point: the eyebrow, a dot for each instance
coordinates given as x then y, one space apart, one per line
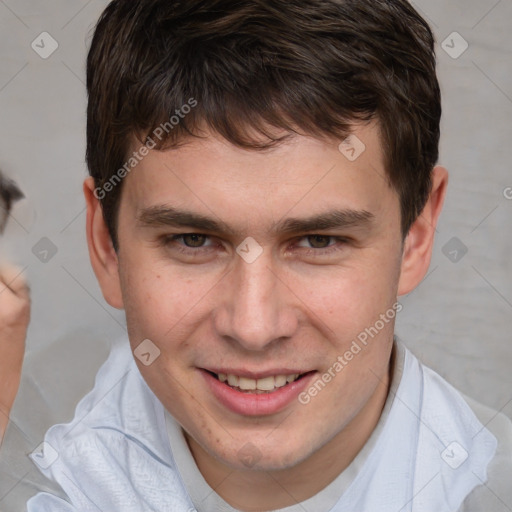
163 215
332 219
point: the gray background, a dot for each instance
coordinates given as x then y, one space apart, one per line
458 320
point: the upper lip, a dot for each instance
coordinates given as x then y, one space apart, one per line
256 374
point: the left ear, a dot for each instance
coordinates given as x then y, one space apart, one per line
420 239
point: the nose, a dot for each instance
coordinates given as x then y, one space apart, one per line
257 307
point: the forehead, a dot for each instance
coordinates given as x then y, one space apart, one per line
303 175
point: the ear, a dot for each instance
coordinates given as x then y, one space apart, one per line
420 239
103 257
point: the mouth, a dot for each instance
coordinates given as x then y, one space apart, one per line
259 394
263 385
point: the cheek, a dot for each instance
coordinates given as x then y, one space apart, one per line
146 297
156 307
351 298
159 302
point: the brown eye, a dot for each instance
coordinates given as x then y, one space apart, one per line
319 241
194 240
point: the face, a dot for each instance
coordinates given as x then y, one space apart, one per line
261 266
277 270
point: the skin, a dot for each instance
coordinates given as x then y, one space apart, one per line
296 306
14 319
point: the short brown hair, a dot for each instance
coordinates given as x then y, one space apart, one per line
310 66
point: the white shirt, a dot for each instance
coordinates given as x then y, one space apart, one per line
430 452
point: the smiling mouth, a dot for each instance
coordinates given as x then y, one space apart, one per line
257 386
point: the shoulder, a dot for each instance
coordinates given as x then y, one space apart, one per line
468 446
496 492
454 450
115 453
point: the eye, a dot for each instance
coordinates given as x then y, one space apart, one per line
188 242
317 241
193 239
320 248
194 248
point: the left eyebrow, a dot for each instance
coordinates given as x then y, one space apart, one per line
163 215
332 219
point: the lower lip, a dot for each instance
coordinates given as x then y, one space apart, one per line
252 404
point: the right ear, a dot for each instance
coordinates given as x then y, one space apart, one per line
103 257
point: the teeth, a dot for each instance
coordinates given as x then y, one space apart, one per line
264 384
233 380
280 381
246 384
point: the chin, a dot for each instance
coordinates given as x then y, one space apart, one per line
263 457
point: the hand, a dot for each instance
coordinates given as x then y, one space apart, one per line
14 319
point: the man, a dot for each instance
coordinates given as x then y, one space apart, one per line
263 187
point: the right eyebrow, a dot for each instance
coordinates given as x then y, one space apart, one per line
161 216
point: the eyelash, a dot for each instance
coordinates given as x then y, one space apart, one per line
171 239
337 246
